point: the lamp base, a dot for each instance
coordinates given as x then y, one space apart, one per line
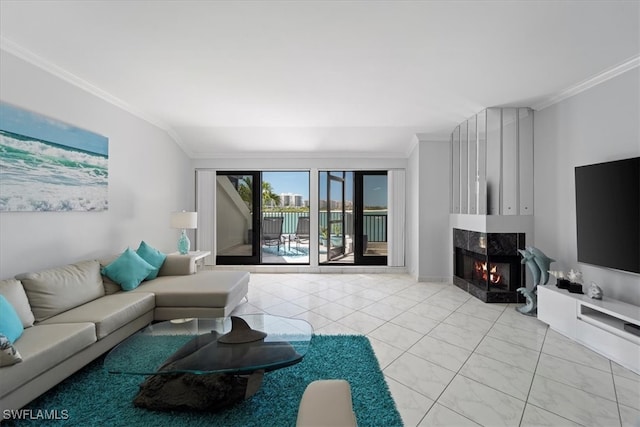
183 243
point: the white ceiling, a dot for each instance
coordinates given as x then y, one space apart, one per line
348 77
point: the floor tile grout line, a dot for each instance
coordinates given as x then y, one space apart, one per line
445 291
436 401
568 385
533 378
456 373
615 392
573 361
578 388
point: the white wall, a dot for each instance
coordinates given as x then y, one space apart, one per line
149 177
232 216
302 161
600 124
429 238
413 211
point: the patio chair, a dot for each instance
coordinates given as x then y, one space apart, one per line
302 231
272 231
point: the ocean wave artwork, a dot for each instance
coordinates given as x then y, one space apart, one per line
47 165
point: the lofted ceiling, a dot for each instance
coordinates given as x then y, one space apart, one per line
227 78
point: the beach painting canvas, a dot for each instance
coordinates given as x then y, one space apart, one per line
48 165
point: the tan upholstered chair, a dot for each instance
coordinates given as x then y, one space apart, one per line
326 403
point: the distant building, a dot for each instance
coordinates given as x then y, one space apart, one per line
291 200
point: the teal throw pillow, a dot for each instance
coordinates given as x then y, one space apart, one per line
128 270
10 323
153 257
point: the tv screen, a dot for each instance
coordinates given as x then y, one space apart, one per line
608 214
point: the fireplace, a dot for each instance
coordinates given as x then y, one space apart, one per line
488 265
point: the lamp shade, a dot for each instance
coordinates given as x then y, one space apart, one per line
184 220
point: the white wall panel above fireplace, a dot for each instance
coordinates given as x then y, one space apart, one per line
495 224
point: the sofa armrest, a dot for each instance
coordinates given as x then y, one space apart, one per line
178 265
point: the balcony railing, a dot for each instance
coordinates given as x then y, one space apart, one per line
375 222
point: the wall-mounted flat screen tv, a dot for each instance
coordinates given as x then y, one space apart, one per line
608 214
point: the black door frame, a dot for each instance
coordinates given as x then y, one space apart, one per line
358 221
256 200
332 254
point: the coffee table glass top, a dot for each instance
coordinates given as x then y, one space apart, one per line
207 346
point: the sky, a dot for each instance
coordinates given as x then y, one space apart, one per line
288 182
375 186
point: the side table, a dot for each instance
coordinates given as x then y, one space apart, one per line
196 256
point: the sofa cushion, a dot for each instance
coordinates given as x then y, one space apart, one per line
8 353
42 347
110 287
204 289
128 270
10 323
108 313
53 291
153 257
178 265
14 293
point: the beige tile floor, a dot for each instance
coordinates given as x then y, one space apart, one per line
451 360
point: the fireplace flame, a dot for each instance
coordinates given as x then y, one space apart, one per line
491 274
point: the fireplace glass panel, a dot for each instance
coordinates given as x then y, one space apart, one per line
496 274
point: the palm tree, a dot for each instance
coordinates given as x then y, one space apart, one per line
268 196
245 189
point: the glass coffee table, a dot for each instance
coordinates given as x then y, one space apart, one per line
208 364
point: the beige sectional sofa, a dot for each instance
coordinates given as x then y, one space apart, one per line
72 314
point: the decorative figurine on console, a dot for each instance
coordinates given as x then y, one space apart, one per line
594 291
538 263
561 282
575 282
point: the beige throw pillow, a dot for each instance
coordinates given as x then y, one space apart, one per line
13 291
53 291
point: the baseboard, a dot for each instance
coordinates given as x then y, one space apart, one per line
434 279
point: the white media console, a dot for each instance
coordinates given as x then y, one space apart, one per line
597 324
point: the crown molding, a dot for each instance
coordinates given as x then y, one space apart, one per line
429 138
298 155
599 78
16 50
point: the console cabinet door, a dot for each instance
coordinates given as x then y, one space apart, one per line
557 310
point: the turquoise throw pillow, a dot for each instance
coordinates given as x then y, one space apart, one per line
153 257
10 323
128 270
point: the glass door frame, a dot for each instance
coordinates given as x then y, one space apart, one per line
256 200
358 198
331 254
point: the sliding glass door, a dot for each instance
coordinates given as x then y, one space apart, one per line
285 217
262 217
352 217
335 241
371 214
238 213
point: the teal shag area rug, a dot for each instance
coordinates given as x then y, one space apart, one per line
93 397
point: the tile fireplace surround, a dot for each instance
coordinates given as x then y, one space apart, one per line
487 265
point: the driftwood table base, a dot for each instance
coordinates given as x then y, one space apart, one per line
191 392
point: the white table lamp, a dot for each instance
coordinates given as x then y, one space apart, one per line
184 220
